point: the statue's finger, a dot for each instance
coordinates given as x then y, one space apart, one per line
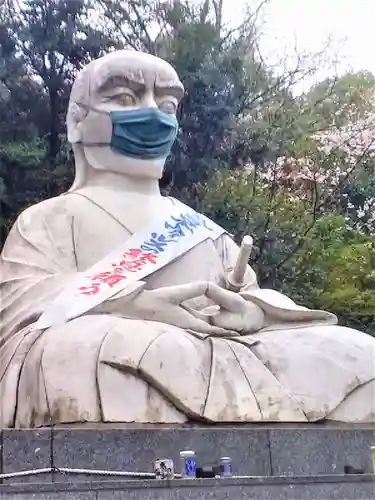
198 325
224 298
197 314
228 320
202 327
180 293
212 327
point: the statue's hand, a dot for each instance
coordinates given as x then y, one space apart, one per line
165 305
235 312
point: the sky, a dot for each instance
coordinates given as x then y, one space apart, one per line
307 24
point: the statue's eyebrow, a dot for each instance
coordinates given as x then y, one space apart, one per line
137 84
173 89
114 81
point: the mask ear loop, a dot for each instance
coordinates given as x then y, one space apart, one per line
88 108
93 144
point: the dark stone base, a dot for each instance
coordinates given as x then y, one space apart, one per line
298 488
255 450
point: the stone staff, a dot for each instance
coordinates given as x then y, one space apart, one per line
236 278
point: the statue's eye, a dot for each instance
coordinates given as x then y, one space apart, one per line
126 99
168 107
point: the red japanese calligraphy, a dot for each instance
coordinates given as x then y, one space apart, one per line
109 278
133 252
138 254
90 290
135 259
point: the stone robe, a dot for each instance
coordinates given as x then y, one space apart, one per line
106 368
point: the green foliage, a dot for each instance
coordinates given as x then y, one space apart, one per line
278 219
316 259
338 100
26 177
335 272
42 45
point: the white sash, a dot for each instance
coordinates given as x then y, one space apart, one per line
168 238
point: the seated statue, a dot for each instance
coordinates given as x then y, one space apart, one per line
121 305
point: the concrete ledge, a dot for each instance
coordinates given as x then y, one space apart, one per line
135 450
320 450
25 450
255 450
334 487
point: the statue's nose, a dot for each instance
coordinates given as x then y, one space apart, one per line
149 101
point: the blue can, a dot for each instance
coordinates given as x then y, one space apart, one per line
226 467
188 464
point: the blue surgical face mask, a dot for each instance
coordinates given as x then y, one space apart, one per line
145 133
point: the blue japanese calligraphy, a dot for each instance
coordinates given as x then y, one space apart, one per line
177 227
157 243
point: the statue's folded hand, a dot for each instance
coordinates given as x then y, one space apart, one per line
234 312
164 305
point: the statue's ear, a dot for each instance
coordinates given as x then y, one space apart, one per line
75 116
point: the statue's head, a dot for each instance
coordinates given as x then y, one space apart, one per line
122 115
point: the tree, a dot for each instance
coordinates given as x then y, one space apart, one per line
234 109
337 101
43 44
319 195
335 272
54 39
316 258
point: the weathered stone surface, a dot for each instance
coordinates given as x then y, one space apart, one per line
312 488
254 451
77 495
26 450
1 453
287 492
320 450
136 449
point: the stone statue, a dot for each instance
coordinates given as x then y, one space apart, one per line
118 304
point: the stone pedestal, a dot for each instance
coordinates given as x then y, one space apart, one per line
298 488
307 462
